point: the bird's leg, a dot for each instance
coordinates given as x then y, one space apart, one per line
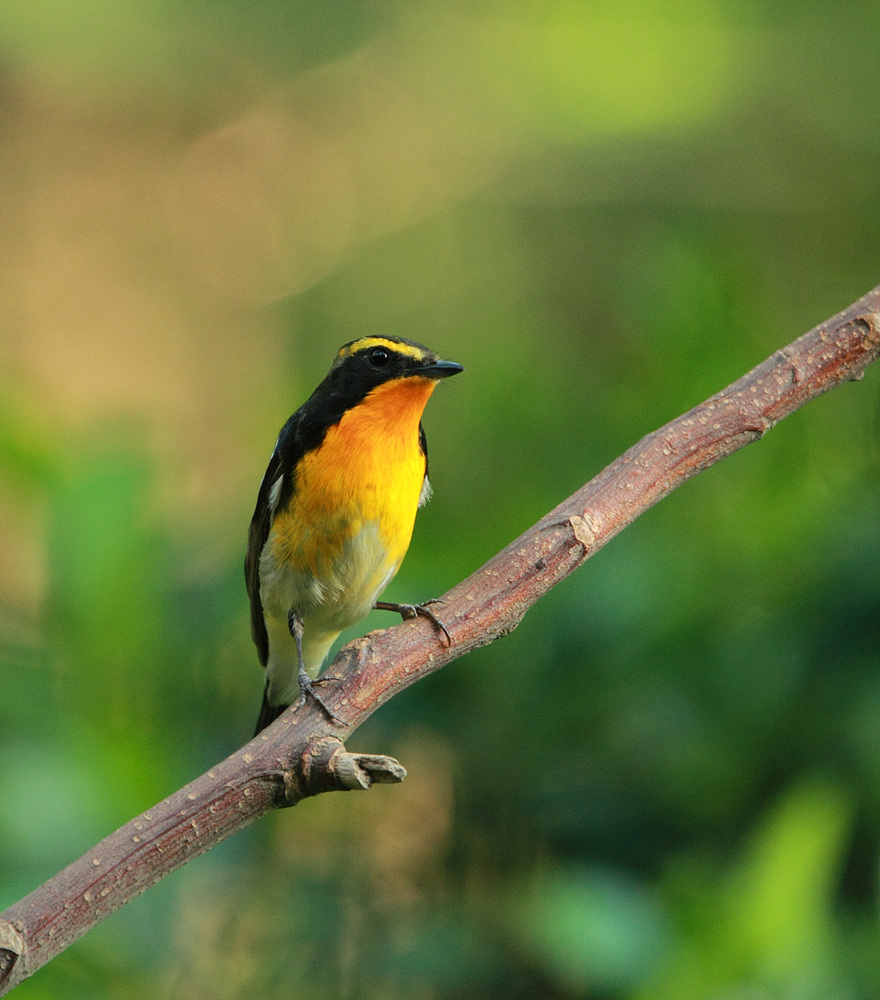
413 610
306 685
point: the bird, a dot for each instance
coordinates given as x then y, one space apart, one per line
336 509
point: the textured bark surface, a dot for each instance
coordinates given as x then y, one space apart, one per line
302 753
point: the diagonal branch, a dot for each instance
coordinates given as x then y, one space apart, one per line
302 753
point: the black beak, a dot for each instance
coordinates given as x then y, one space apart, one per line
439 369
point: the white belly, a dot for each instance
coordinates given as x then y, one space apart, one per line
345 593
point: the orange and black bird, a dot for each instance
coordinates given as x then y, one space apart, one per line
336 510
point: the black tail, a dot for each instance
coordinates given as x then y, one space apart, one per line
268 713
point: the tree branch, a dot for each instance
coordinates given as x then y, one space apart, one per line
302 753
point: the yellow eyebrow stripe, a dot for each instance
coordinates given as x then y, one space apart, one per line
392 345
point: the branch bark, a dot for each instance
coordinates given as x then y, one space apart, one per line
303 754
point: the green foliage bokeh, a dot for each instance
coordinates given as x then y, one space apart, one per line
665 784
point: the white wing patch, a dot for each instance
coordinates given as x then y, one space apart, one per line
425 495
275 493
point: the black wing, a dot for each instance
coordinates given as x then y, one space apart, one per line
425 492
261 523
304 431
275 493
423 446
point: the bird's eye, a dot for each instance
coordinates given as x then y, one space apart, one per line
378 357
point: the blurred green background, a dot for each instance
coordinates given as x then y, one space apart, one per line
665 784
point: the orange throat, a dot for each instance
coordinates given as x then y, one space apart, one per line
369 469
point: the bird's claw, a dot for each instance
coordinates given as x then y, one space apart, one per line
414 610
307 689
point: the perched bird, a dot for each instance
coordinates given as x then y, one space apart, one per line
336 510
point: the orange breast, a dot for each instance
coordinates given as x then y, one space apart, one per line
368 469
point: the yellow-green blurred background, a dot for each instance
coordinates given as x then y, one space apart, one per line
665 785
